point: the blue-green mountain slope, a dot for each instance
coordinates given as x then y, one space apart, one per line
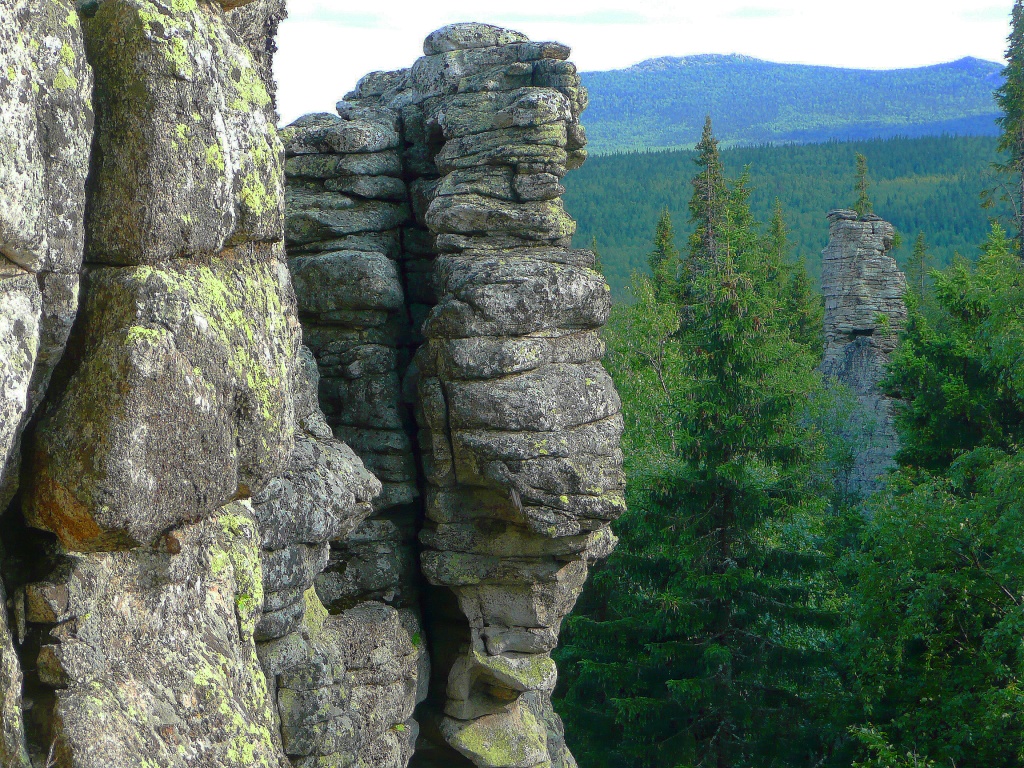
661 103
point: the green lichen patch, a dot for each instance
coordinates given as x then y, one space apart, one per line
515 737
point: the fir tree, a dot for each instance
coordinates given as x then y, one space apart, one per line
863 206
934 645
700 642
918 267
663 261
1010 98
598 266
708 204
800 304
778 234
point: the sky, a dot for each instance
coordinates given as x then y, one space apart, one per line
325 46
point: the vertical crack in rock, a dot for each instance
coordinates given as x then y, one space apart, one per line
345 684
347 207
518 423
864 312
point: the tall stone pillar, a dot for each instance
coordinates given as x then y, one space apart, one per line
864 312
518 423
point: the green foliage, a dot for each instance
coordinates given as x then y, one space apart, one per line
924 185
960 374
661 103
598 266
883 755
707 203
801 305
663 261
702 641
937 612
863 205
1010 98
917 269
937 616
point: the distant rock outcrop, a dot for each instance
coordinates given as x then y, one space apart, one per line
864 312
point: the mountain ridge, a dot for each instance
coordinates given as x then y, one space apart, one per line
660 103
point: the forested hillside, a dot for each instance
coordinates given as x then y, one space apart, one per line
661 103
929 185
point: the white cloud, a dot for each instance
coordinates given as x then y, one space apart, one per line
326 46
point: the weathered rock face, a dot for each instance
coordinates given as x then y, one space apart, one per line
154 661
235 546
426 218
186 158
256 24
864 311
45 131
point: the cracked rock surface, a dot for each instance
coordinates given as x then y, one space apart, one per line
305 443
432 261
862 285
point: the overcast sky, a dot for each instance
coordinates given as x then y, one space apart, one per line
327 45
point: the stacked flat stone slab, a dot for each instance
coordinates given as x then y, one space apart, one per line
347 204
345 685
864 311
519 423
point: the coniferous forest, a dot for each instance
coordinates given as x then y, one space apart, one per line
929 185
756 612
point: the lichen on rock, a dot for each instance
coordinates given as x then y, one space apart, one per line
518 423
137 683
202 358
280 545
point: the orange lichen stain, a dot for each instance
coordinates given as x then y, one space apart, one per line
52 507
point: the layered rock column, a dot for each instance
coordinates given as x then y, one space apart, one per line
519 423
346 204
344 685
864 312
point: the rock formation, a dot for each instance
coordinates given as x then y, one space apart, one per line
451 169
234 540
864 311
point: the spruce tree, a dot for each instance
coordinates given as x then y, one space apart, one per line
700 642
934 647
918 267
778 235
663 261
1010 98
863 206
598 266
709 203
